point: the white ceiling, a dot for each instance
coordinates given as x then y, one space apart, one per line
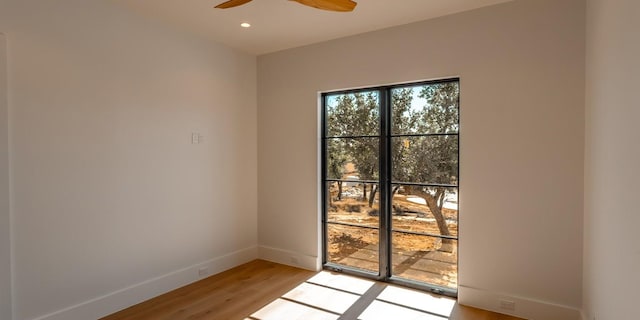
282 24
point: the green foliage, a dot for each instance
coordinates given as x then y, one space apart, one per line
356 114
429 109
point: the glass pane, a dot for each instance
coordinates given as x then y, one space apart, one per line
353 203
425 159
353 114
411 210
416 255
355 247
426 259
425 109
356 204
352 158
430 210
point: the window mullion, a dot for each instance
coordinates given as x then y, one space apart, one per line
385 184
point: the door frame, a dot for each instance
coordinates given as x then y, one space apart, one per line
384 185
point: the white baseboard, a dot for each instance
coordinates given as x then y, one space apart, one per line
289 258
526 308
126 297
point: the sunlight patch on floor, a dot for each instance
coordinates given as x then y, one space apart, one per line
379 310
283 309
342 282
327 296
322 297
423 301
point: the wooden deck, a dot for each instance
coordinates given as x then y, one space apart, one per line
433 267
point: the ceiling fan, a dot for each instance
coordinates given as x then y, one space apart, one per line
330 5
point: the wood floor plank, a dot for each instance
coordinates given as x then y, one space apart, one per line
233 294
240 292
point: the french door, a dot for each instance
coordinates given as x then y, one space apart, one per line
390 163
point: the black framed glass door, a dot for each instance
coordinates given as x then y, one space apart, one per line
390 183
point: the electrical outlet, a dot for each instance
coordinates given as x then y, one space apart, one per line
204 271
507 305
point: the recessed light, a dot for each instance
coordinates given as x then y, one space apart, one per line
245 25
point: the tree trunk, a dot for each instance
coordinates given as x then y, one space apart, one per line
364 191
339 190
435 203
372 194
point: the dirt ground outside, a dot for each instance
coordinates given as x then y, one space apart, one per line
415 257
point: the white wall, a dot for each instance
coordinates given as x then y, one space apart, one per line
612 253
521 66
5 221
108 192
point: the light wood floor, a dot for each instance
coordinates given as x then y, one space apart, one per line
241 292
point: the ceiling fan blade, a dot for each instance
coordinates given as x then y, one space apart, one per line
331 5
232 3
